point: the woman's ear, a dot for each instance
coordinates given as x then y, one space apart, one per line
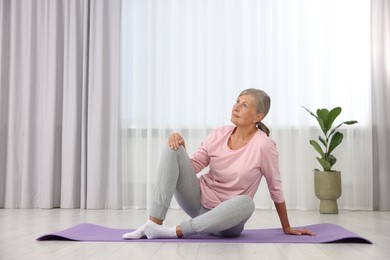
259 117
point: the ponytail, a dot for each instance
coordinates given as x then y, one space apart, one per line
263 127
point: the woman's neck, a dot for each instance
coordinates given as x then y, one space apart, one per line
244 134
240 137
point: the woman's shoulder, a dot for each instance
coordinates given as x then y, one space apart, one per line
264 139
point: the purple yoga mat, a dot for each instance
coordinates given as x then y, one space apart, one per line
326 233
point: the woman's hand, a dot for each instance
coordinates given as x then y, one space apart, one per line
282 212
299 232
175 140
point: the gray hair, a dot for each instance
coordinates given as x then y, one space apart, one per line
263 104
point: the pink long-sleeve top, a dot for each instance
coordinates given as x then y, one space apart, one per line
236 172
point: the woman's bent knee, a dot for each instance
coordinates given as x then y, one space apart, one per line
246 204
169 151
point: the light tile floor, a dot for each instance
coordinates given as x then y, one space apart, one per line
19 228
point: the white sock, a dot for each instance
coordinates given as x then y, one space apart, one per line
138 233
152 231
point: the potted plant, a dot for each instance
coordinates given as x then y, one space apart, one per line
327 183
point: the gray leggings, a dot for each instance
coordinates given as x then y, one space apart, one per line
177 177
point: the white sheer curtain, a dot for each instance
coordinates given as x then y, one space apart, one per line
185 62
59 104
380 46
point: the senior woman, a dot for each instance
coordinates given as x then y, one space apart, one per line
221 201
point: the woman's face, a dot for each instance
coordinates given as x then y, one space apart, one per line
244 111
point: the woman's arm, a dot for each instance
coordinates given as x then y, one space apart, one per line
282 212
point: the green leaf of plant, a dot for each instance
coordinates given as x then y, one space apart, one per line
324 163
311 113
322 140
317 147
351 122
335 141
332 160
322 115
333 114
